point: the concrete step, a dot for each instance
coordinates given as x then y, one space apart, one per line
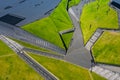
93 39
108 74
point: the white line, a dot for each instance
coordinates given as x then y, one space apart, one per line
72 12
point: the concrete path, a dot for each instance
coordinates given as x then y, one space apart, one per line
110 72
32 62
119 18
51 55
110 67
77 53
12 31
106 73
93 39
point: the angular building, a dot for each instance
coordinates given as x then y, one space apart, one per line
21 12
115 4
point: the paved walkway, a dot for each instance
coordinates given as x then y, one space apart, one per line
110 72
33 63
51 55
93 39
106 73
77 53
119 18
110 67
12 31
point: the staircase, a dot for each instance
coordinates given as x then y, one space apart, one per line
93 39
108 74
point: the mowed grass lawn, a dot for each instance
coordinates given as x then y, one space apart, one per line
67 39
95 15
49 27
107 48
45 29
13 68
64 70
4 50
97 77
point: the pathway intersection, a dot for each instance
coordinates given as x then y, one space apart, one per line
77 53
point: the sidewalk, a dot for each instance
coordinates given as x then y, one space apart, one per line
77 53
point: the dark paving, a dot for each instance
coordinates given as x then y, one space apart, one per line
80 57
12 31
77 53
56 56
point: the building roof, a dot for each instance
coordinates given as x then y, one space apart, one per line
116 3
30 10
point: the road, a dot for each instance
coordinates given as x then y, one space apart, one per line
34 64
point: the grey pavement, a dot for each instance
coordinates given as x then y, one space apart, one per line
110 67
93 39
77 53
78 9
33 63
106 73
12 31
119 18
56 56
80 57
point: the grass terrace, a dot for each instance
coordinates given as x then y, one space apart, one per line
107 48
13 68
97 77
4 50
49 27
95 15
67 38
64 70
45 29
